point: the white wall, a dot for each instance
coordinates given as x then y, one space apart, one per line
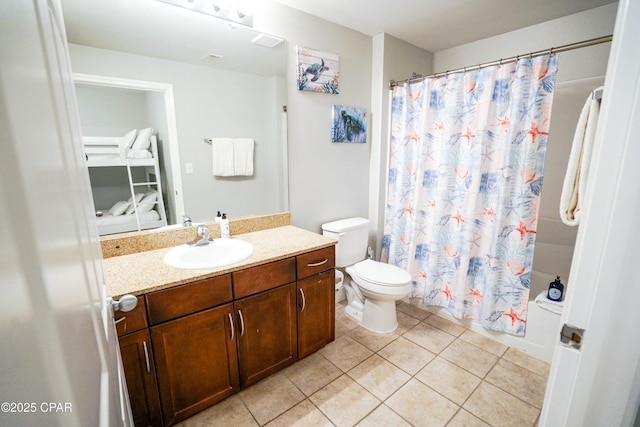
587 62
199 115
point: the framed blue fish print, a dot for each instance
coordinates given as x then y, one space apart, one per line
317 71
349 124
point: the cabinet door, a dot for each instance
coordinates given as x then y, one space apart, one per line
316 312
196 361
268 333
139 371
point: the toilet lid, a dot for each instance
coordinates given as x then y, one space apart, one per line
381 273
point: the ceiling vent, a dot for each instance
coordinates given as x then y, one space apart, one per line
211 57
266 40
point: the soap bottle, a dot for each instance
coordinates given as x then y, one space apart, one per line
556 290
224 227
218 218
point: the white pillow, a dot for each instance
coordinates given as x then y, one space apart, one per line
129 138
150 196
142 141
119 208
131 208
145 207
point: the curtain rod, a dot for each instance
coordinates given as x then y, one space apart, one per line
563 48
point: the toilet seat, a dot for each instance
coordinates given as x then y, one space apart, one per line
381 274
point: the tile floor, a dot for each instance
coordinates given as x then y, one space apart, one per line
429 372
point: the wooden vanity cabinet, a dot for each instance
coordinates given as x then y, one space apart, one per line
265 319
140 373
316 300
138 365
194 344
196 361
190 346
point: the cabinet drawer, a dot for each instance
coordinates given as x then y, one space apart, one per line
263 277
131 321
315 262
186 299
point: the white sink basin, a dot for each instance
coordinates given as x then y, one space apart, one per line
218 253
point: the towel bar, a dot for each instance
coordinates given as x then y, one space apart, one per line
597 94
208 141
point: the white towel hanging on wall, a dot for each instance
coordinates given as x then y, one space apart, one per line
222 149
575 180
232 156
243 156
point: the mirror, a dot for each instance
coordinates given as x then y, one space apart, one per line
191 77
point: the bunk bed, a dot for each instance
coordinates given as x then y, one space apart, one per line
145 207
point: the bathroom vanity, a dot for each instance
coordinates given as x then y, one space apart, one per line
199 336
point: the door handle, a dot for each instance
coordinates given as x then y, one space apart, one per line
304 302
317 264
241 323
125 303
233 332
146 356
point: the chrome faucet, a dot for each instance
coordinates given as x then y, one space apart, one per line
202 238
186 221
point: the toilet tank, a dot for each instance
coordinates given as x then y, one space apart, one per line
352 235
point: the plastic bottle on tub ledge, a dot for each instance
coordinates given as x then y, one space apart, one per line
224 227
556 290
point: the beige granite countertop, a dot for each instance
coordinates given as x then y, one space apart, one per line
143 272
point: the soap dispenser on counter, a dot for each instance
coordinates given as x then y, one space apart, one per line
218 218
224 227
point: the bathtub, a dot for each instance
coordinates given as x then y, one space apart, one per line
543 326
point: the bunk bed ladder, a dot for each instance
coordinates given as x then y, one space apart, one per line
149 182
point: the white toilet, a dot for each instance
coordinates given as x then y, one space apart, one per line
372 287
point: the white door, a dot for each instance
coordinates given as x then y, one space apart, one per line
599 383
59 360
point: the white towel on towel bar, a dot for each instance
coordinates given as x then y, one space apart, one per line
223 164
575 180
243 156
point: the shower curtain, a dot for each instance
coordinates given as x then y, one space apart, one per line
465 175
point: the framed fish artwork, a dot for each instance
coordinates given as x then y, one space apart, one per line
318 71
349 124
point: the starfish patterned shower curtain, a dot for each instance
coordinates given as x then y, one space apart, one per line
465 175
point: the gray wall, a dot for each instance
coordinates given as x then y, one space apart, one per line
327 181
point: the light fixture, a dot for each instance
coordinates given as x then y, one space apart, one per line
238 11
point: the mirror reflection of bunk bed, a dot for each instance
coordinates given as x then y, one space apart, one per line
125 181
